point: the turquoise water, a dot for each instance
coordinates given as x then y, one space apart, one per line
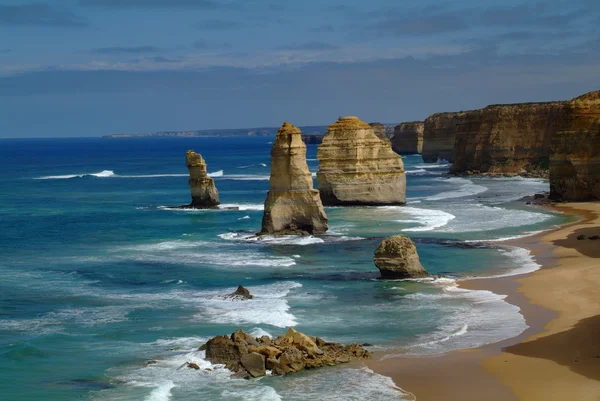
98 276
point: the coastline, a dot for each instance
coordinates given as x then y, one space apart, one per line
556 358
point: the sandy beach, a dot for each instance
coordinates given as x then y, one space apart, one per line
556 358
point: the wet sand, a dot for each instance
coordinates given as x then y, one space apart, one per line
556 358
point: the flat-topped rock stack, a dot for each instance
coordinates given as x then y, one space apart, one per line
358 168
203 189
292 206
408 138
396 258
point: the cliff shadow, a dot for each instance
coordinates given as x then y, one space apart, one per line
586 246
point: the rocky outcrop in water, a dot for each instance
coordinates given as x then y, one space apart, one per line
240 294
285 354
408 138
312 139
292 206
575 152
358 168
396 258
380 132
204 191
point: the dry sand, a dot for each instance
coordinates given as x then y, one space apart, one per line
557 358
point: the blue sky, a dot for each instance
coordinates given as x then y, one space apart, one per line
94 67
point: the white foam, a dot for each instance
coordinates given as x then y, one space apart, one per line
417 171
522 259
479 217
507 238
101 174
258 332
268 306
269 239
244 218
428 219
243 206
216 174
432 165
466 188
162 392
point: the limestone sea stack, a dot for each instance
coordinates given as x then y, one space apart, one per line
408 138
204 191
379 130
396 258
292 206
439 132
358 168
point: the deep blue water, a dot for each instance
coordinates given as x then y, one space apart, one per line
97 276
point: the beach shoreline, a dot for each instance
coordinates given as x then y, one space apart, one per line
556 358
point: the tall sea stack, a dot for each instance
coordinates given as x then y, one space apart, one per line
204 191
408 138
358 168
292 206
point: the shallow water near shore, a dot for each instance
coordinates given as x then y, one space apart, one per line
99 276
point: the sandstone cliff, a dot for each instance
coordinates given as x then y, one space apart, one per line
357 168
292 205
204 191
408 138
575 151
379 130
506 139
439 132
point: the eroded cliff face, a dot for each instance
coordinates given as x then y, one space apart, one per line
292 206
379 130
575 151
408 138
439 133
506 139
203 189
357 168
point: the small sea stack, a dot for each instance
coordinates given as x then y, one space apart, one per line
396 258
358 168
293 206
203 189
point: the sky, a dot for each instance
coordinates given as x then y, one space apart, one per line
72 68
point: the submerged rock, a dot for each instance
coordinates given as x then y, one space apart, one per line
285 354
292 206
358 168
204 191
396 257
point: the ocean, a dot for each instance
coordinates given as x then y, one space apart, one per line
98 275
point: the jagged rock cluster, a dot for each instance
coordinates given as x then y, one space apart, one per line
204 191
292 206
396 258
358 168
575 152
288 353
408 138
379 130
